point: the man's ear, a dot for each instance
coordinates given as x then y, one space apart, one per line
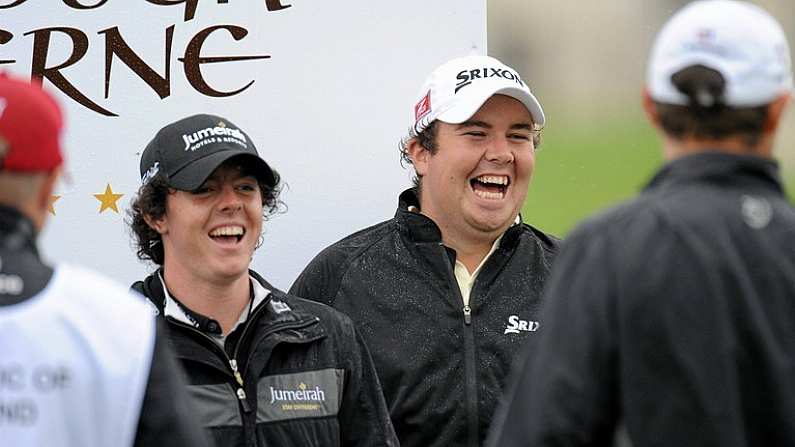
775 111
650 109
46 189
419 156
38 205
158 225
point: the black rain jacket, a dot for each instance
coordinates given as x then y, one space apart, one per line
671 317
297 373
442 366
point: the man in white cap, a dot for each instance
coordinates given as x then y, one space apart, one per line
670 318
447 291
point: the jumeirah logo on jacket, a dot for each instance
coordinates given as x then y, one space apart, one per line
301 394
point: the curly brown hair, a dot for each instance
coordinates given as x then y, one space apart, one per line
151 201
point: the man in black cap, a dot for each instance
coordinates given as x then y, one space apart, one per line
265 368
83 362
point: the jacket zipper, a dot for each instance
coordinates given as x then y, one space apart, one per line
471 380
469 358
240 392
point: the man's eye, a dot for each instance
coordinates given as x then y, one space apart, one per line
201 190
476 133
246 187
518 136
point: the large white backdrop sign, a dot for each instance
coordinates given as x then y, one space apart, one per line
324 88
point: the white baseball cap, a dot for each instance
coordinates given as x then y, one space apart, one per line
738 39
456 90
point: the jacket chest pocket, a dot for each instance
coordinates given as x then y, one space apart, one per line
216 405
310 394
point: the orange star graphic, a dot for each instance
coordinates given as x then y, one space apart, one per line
51 206
108 200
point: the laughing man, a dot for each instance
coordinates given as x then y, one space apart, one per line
265 368
447 291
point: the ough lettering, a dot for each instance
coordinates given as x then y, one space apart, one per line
75 44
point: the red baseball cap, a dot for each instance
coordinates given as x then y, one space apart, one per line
30 127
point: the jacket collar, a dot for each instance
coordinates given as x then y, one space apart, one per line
17 232
277 311
718 167
172 307
421 229
19 258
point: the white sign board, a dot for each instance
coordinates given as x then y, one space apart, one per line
324 89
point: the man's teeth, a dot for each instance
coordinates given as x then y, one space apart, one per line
227 231
489 195
494 179
497 183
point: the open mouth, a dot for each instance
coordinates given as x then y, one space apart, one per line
228 234
492 187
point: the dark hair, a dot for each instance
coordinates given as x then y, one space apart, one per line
706 116
151 201
427 139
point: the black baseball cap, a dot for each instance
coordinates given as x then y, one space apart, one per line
187 151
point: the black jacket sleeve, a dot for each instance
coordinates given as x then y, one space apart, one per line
364 419
167 419
564 391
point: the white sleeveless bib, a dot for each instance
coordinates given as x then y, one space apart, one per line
74 363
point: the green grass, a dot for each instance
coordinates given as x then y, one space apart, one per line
583 168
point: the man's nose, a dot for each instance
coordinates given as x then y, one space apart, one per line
230 200
499 151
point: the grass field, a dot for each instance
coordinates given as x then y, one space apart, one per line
582 168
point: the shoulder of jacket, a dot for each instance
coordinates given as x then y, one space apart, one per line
622 222
548 241
345 251
331 319
366 237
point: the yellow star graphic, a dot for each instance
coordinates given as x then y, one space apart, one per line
108 200
51 206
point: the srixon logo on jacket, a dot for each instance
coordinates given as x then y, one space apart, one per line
300 395
516 325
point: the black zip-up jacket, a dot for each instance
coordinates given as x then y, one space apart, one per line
672 316
296 373
442 366
166 417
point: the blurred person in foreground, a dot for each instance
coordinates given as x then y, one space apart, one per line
447 291
265 368
82 362
671 318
